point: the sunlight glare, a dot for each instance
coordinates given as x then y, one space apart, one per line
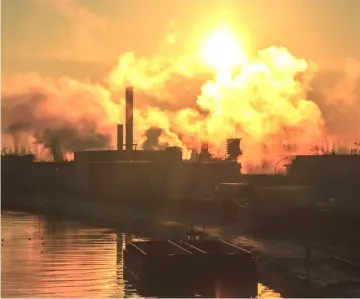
222 50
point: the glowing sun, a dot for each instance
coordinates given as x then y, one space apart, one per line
222 50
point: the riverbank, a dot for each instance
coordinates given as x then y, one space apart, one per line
282 263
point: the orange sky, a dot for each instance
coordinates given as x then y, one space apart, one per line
283 75
58 36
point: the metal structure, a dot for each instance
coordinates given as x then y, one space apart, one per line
129 97
120 137
233 150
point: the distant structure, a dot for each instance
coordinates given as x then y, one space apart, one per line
355 151
204 154
120 137
124 172
129 97
233 150
150 173
8 151
333 175
129 123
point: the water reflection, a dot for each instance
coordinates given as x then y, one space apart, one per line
265 292
59 259
42 258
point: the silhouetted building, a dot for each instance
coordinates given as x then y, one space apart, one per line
123 173
149 174
23 174
314 169
330 175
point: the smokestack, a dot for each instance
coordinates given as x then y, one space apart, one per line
120 137
129 118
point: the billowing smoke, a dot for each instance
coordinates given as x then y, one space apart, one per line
337 93
278 104
152 141
60 116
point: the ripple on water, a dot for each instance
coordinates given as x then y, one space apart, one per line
59 259
42 258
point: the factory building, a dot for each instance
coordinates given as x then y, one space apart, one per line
335 177
129 173
326 169
22 173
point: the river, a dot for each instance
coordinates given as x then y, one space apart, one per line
57 258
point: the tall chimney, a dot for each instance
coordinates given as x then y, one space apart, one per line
129 118
120 137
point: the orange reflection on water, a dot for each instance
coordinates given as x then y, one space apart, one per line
43 258
265 292
68 262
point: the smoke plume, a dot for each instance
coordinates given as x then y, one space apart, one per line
55 113
278 104
152 141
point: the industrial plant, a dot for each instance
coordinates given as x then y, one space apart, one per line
129 174
113 173
130 185
150 173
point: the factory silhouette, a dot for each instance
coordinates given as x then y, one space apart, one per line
155 175
110 171
317 198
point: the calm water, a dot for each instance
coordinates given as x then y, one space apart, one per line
42 258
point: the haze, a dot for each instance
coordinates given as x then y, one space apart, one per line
53 37
97 47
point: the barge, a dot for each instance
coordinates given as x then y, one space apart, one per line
190 268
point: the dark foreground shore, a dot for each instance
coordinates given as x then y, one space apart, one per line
281 255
